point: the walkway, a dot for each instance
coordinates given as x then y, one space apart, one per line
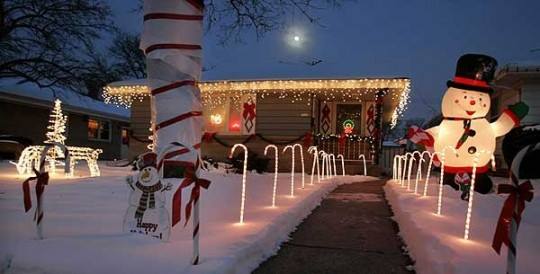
351 232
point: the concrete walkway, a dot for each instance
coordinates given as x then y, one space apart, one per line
351 232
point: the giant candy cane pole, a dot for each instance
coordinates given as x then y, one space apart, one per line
313 149
243 201
471 191
276 172
299 146
292 167
363 157
342 164
171 40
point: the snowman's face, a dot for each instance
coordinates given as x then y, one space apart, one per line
461 103
148 176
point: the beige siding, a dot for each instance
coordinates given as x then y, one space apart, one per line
282 117
530 94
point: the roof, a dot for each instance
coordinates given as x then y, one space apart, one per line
30 93
521 68
124 92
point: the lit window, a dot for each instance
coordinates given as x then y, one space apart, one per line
99 130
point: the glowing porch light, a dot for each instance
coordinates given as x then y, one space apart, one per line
243 201
216 119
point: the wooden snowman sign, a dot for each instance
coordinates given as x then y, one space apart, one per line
465 134
147 213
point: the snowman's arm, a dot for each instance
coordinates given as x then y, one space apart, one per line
505 123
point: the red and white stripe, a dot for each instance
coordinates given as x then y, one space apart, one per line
171 39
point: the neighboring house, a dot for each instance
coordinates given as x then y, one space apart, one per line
514 83
305 111
24 115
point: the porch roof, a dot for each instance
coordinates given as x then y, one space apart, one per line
124 92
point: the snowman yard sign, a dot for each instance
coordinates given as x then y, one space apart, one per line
465 128
147 213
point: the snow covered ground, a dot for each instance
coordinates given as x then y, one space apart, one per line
436 242
83 225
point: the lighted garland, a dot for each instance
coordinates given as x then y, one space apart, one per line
215 94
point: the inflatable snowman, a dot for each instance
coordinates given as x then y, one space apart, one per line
464 132
146 213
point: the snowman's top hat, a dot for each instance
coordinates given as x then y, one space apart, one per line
474 72
147 159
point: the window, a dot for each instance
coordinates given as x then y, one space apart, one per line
348 118
99 130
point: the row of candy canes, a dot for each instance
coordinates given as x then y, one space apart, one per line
402 169
327 171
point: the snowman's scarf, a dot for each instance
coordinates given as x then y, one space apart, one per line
147 199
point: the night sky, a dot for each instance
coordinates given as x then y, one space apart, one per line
370 38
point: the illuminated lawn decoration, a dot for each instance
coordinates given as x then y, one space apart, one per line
313 149
329 166
471 190
324 168
243 201
428 168
299 146
342 163
333 168
443 156
394 167
30 158
292 167
274 188
418 169
403 170
409 169
363 157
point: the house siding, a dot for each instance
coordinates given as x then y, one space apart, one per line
530 94
282 117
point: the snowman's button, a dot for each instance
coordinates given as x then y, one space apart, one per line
472 150
472 132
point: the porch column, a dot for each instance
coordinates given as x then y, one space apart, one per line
379 101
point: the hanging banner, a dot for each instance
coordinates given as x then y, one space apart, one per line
326 118
249 114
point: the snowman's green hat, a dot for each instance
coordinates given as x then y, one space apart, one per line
474 72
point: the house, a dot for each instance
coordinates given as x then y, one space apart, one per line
25 110
513 83
340 116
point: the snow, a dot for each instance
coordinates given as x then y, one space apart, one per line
68 98
436 242
83 225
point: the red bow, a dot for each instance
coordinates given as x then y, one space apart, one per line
518 195
208 136
249 111
190 177
341 143
308 139
42 179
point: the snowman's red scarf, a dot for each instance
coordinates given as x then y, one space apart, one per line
147 199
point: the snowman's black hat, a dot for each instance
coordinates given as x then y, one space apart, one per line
474 72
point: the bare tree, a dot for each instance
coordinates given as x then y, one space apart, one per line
233 17
129 59
42 41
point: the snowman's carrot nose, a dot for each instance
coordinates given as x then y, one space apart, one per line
472 102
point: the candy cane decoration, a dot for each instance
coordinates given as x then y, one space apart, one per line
329 165
399 168
428 169
299 146
409 169
471 191
418 174
404 170
439 200
342 163
323 167
313 149
275 172
292 167
333 158
243 201
363 157
395 167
